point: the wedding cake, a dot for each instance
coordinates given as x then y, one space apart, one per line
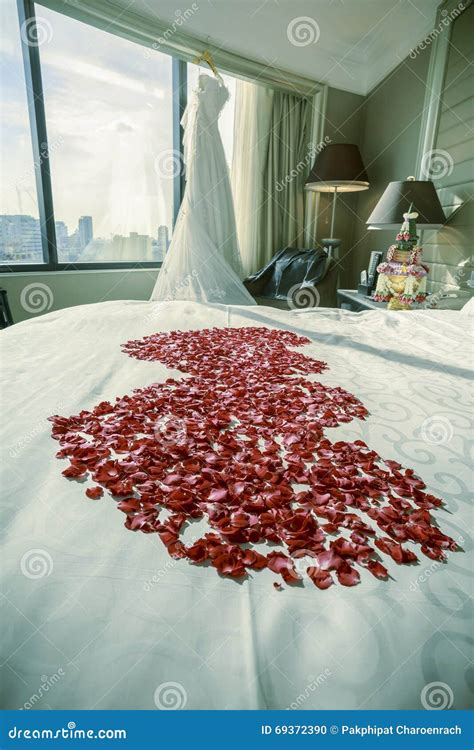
402 277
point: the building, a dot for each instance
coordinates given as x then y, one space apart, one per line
85 231
20 239
162 243
62 238
135 247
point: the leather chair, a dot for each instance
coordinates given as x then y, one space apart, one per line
276 284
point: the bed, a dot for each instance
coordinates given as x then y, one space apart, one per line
97 617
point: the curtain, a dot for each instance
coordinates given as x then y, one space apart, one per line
272 156
312 198
252 122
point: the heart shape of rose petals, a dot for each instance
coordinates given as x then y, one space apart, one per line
240 441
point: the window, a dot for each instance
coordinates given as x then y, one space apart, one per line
102 115
20 232
226 120
108 106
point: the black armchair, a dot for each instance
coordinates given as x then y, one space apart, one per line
276 284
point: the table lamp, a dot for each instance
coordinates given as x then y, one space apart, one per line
399 197
338 168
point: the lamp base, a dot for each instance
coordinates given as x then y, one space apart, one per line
331 245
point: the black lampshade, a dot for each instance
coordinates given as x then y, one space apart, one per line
338 167
397 200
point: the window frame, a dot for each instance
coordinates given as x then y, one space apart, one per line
39 139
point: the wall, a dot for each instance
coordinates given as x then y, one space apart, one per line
343 124
392 115
448 251
386 126
31 294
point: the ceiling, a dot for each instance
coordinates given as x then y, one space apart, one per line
350 44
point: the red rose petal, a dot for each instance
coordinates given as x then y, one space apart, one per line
231 443
280 563
321 578
377 569
94 492
75 470
348 576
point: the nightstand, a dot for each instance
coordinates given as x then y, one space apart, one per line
350 299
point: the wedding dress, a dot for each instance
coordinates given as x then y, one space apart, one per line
203 261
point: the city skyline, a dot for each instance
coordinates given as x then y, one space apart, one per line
21 242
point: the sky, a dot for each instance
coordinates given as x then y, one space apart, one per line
109 122
17 185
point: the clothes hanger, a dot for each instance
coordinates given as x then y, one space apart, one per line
207 58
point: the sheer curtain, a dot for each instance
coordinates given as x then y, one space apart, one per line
272 157
252 125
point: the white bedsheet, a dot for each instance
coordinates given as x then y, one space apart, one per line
115 618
